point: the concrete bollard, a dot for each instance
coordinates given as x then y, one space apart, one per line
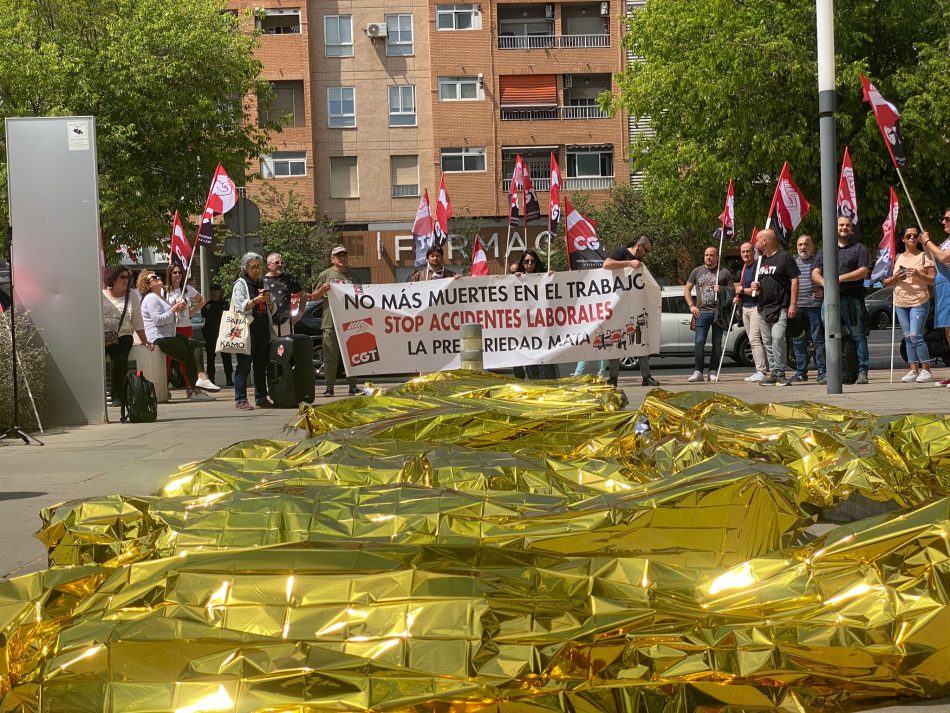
472 348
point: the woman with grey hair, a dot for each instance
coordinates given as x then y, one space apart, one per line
249 296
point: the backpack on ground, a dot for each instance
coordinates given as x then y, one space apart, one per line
139 403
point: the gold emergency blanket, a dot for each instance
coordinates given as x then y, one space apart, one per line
464 542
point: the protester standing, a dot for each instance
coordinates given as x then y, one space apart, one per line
338 273
121 314
212 312
631 255
707 279
282 287
777 287
531 264
941 258
434 269
809 306
749 305
854 266
251 297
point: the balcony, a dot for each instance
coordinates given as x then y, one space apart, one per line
597 183
553 113
544 42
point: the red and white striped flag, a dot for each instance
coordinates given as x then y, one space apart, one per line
847 194
222 197
888 122
479 259
789 206
887 251
422 229
583 247
728 217
180 250
443 211
554 205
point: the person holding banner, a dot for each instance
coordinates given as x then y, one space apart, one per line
531 264
707 283
854 266
631 255
941 257
434 269
249 295
749 304
338 273
913 276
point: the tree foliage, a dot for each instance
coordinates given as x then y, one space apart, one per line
166 82
730 87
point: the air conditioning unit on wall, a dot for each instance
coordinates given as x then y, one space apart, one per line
376 30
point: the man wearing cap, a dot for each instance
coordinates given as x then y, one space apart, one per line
338 274
212 311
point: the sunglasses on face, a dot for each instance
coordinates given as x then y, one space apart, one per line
945 219
154 278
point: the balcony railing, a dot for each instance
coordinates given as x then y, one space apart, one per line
540 184
553 113
544 42
599 183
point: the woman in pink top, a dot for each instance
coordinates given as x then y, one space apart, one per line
912 279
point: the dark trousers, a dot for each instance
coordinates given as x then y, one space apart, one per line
260 345
209 359
331 358
179 349
119 356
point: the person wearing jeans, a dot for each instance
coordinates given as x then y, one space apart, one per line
777 287
809 304
912 279
707 279
250 297
749 306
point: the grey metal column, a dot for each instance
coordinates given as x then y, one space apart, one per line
829 161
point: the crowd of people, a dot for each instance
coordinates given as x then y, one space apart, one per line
775 295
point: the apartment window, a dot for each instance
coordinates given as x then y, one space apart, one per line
341 107
402 105
338 35
344 180
398 35
287 106
284 164
404 173
456 17
278 21
463 159
590 163
453 89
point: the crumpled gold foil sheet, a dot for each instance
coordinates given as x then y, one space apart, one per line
464 542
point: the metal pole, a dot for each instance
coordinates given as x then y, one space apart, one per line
242 238
824 10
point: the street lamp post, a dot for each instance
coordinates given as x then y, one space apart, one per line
824 11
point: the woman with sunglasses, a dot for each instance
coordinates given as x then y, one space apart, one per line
121 314
531 264
941 257
176 291
912 278
160 318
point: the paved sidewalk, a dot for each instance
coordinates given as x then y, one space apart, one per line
137 459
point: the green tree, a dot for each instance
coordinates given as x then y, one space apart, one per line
731 90
167 82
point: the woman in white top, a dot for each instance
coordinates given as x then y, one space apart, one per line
174 292
160 318
121 316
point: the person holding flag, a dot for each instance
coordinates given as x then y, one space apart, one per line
777 288
854 266
912 278
941 257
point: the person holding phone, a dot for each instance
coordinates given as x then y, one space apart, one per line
250 296
912 279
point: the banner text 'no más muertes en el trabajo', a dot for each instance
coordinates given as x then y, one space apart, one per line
526 319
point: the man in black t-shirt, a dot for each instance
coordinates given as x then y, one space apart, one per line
777 287
631 256
282 286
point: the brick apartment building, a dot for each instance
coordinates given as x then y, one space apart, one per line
385 96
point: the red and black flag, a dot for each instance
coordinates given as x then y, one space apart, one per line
180 250
532 208
888 121
517 183
788 207
443 211
554 204
728 216
222 197
583 248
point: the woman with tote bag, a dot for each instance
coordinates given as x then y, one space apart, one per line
249 298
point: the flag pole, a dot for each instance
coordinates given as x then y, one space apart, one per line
907 193
722 355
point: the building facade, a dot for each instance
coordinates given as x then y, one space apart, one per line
378 99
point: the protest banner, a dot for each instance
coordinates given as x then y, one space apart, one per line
526 319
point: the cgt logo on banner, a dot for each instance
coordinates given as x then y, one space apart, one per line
360 342
526 319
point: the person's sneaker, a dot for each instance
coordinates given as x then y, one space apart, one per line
713 377
207 385
780 380
862 378
264 403
355 391
243 406
200 396
822 380
769 381
328 392
757 377
650 381
910 376
945 382
925 377
798 378
697 376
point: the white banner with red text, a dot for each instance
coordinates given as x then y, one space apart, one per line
526 319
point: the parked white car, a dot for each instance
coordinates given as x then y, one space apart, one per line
676 338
